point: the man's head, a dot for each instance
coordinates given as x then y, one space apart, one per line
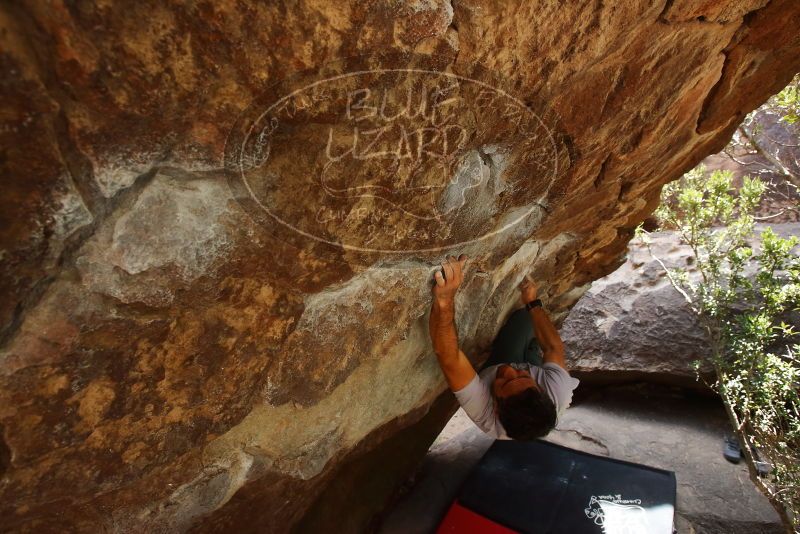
525 411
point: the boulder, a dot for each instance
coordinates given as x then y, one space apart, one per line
633 324
216 278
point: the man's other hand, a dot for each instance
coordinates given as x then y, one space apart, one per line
448 279
528 289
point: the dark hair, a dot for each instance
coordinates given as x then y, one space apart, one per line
527 415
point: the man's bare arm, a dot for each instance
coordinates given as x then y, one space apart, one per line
548 338
546 333
456 367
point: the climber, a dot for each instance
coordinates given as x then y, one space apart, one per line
524 387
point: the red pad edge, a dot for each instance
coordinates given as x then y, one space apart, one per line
460 520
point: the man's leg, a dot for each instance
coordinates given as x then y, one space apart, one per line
516 342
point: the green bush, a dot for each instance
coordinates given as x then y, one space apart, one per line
746 294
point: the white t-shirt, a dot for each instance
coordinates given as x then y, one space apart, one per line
478 403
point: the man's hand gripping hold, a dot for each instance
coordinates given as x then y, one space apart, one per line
454 363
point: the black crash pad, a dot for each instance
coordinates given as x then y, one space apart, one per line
542 488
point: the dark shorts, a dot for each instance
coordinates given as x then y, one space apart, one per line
516 342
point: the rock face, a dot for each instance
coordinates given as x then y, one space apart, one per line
215 277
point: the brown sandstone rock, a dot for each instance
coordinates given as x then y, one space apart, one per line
172 356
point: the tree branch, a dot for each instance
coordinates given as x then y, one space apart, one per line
775 162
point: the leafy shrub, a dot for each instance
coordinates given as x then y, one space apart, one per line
746 294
